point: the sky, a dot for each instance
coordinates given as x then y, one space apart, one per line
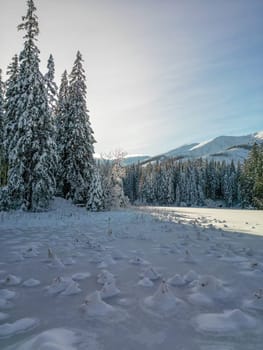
160 73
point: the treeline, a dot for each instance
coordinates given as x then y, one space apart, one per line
46 139
198 182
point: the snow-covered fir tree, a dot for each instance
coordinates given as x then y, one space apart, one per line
79 139
112 175
2 152
32 150
61 122
96 196
11 103
51 86
189 183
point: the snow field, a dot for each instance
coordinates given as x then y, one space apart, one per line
74 286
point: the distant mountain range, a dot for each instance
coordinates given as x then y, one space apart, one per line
221 148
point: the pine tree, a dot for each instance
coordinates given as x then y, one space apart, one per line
252 178
2 153
11 103
61 122
51 86
96 196
32 150
79 162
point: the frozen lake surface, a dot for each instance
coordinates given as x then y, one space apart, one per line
146 278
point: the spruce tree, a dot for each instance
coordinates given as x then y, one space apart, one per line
96 197
79 162
32 150
11 104
2 157
51 86
61 122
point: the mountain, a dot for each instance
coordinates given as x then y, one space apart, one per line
221 148
134 159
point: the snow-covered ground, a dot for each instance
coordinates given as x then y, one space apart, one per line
146 278
247 221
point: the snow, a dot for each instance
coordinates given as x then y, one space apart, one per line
227 322
220 148
176 278
19 326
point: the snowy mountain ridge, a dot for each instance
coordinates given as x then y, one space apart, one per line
221 148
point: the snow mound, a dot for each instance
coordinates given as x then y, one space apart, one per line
107 261
151 273
11 280
31 283
163 301
105 277
208 289
227 322
57 263
109 290
7 294
188 258
145 282
176 281
71 289
257 302
53 339
62 285
95 306
30 252
79 276
69 261
191 276
139 261
118 255
20 326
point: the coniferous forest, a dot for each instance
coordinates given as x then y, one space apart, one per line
46 136
198 182
47 148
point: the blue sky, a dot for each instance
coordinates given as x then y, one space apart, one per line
160 73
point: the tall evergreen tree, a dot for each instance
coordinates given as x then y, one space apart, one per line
96 196
61 122
32 150
11 104
79 162
2 157
51 86
252 178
